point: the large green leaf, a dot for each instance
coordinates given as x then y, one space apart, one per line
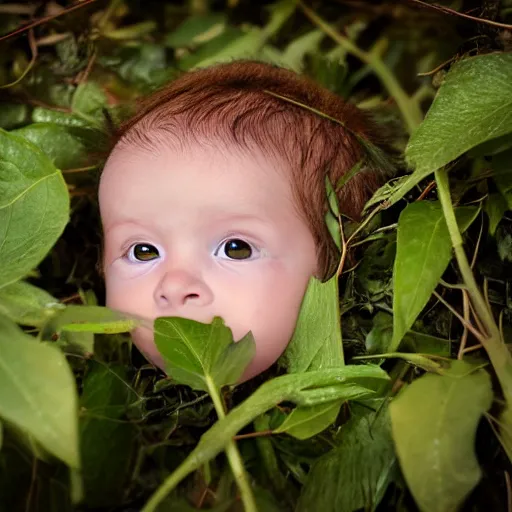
195 352
434 423
26 304
316 344
472 106
38 393
356 473
34 207
424 251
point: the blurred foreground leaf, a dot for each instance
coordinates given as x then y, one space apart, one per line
37 392
434 421
26 304
34 207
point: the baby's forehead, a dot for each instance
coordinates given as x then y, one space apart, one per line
141 147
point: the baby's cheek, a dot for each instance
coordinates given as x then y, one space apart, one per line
143 339
127 295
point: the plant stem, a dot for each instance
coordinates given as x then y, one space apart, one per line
409 108
492 341
234 458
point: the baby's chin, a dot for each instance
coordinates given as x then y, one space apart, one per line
143 339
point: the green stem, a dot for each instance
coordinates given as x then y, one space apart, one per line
498 353
234 458
409 108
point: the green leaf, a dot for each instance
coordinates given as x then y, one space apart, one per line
231 44
196 30
495 207
140 65
280 12
317 335
492 147
434 423
135 31
502 173
106 438
195 352
294 54
34 207
424 251
45 115
37 392
13 115
26 304
305 422
76 325
356 474
63 147
95 319
472 106
88 98
299 388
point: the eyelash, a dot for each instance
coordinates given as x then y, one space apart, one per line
254 249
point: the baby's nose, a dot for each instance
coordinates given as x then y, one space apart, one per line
178 288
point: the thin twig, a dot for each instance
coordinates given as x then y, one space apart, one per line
44 19
33 480
476 334
477 247
343 248
250 435
79 169
429 187
84 75
453 12
33 49
509 491
437 68
465 311
472 349
479 323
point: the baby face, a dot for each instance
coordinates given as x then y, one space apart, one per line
203 232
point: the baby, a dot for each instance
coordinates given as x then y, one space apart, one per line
213 201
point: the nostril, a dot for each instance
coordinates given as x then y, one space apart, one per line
192 296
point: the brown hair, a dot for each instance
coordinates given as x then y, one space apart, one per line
287 116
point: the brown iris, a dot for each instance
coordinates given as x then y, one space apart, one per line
145 252
237 249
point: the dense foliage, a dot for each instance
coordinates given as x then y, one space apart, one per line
416 414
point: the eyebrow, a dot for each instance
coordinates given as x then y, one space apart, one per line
212 218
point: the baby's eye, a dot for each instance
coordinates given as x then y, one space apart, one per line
235 249
142 252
